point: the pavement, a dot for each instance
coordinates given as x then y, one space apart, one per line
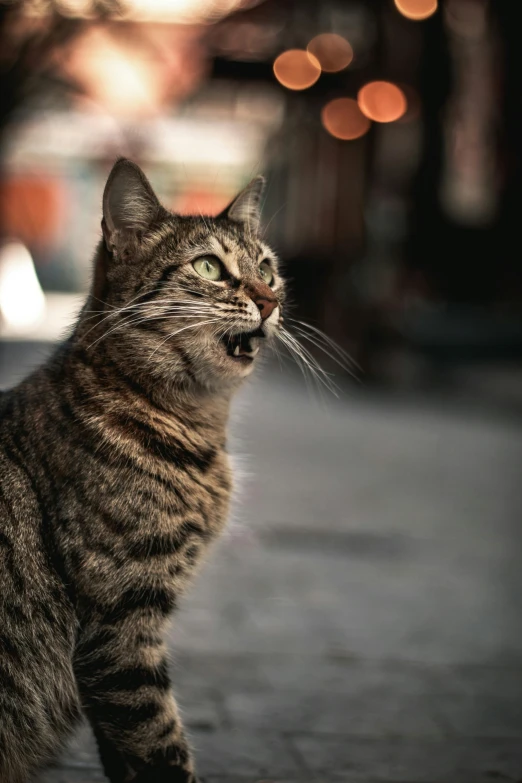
361 619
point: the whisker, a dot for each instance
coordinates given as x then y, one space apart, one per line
166 308
174 334
339 362
305 370
308 360
312 364
276 213
333 345
132 320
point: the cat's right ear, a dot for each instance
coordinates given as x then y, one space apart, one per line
130 206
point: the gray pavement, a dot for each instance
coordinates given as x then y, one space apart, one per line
361 619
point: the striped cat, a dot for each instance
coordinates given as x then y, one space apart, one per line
114 478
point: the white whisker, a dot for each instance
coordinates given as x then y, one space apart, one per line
342 363
331 343
132 321
174 334
307 361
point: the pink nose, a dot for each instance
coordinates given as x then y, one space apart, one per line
266 306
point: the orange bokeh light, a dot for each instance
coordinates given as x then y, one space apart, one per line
344 120
296 69
332 51
382 101
417 10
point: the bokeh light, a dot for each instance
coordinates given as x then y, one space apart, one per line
297 69
382 101
332 51
22 301
344 120
416 10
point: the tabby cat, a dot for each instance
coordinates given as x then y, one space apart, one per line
114 478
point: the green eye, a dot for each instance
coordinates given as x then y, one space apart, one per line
266 273
208 267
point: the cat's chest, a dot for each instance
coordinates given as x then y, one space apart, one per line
151 527
184 499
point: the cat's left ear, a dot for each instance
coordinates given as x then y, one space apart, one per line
130 206
246 208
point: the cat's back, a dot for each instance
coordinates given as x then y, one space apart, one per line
30 582
31 588
20 512
36 615
19 502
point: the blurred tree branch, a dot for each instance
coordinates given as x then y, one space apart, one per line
31 34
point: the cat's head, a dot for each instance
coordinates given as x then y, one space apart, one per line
190 299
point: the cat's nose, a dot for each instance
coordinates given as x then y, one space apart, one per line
263 297
266 307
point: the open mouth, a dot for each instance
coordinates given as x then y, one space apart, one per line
243 346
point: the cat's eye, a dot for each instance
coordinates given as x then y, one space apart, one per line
266 273
208 267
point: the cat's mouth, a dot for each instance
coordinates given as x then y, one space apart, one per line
243 346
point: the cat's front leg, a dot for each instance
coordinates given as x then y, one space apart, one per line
126 694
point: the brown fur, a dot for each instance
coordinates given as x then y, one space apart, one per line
114 478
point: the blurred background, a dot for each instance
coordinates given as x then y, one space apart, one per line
389 132
361 621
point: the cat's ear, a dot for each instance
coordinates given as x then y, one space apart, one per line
246 208
130 205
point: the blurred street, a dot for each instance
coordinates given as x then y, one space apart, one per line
361 619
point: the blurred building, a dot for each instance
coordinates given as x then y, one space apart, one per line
389 130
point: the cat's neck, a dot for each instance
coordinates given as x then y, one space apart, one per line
111 384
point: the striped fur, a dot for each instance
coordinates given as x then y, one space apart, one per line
114 478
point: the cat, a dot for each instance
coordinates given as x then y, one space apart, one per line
114 478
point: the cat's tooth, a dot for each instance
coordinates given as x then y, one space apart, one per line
236 350
253 352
